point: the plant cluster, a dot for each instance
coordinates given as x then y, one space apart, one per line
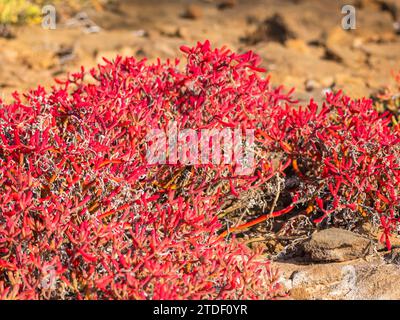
82 213
84 216
347 157
17 11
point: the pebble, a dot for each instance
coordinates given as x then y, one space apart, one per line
193 12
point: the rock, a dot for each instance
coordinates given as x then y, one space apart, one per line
396 27
172 31
66 54
226 4
193 12
391 6
338 48
336 245
377 281
274 28
310 85
372 23
168 30
140 33
357 280
371 4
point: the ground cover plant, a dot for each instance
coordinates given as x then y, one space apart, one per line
83 215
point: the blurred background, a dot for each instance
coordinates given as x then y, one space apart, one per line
301 42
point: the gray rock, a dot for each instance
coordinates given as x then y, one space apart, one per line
355 280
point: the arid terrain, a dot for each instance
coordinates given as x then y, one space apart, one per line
302 44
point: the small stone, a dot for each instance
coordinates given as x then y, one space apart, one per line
275 28
168 30
226 4
140 33
336 245
193 12
396 27
310 85
66 54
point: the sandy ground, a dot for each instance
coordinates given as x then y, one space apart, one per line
301 42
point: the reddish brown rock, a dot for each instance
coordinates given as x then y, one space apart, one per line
193 12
